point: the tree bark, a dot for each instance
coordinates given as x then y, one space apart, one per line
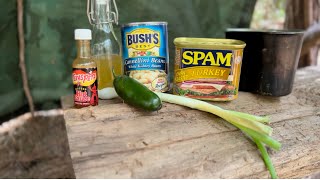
311 39
302 15
22 63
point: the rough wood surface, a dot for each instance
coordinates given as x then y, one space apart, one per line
114 140
35 148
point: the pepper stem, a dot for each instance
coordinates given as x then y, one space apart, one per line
113 73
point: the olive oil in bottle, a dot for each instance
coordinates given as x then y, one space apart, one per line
103 15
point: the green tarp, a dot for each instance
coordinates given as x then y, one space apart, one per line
11 91
50 47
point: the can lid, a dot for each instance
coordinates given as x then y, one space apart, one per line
82 34
209 43
145 23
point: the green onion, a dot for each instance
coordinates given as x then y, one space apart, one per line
229 116
251 125
261 137
264 119
266 159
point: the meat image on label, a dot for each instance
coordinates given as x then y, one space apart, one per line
207 74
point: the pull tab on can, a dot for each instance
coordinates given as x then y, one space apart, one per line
92 11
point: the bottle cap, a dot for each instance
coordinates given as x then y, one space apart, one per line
82 34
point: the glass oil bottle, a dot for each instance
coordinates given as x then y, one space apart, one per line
105 45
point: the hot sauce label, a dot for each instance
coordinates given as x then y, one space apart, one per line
85 86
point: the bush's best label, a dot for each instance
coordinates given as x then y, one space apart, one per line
145 54
143 39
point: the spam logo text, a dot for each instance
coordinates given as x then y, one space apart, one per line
197 57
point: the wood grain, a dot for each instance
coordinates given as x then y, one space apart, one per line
114 140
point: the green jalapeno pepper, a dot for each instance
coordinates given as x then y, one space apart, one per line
136 94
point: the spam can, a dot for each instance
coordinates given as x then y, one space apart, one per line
207 69
145 53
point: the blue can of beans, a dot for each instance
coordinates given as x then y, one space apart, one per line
145 53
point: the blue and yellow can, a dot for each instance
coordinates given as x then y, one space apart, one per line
207 69
145 53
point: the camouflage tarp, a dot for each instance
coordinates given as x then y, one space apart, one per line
50 47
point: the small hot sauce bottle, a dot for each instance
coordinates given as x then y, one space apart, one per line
84 74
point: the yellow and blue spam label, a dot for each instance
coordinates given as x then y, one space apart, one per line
207 69
145 53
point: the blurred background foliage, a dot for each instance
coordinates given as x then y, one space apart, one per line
269 14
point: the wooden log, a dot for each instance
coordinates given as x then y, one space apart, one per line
35 148
114 140
311 38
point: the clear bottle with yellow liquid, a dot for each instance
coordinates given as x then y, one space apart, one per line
105 45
